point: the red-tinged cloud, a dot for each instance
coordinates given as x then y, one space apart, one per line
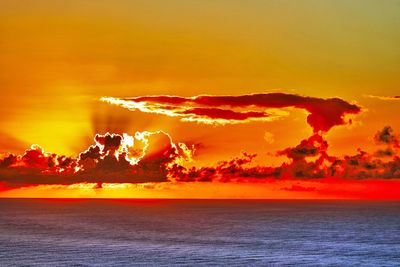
36 160
323 113
387 137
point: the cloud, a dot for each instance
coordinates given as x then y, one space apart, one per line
389 98
388 152
299 188
323 113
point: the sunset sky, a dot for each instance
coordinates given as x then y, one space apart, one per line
72 69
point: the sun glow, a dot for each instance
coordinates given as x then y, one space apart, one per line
285 189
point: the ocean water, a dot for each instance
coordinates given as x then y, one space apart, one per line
198 233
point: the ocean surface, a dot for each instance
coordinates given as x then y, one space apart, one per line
199 233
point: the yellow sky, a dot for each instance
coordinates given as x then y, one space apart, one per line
58 57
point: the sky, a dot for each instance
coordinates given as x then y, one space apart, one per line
60 59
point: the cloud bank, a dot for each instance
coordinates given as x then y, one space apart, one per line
114 158
307 160
154 157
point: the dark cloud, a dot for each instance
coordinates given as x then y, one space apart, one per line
387 136
307 160
313 146
388 152
8 161
153 157
216 113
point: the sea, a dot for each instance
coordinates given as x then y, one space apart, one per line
84 232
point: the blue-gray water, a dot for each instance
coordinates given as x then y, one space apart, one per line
198 232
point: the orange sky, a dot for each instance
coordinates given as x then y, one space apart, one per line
58 58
